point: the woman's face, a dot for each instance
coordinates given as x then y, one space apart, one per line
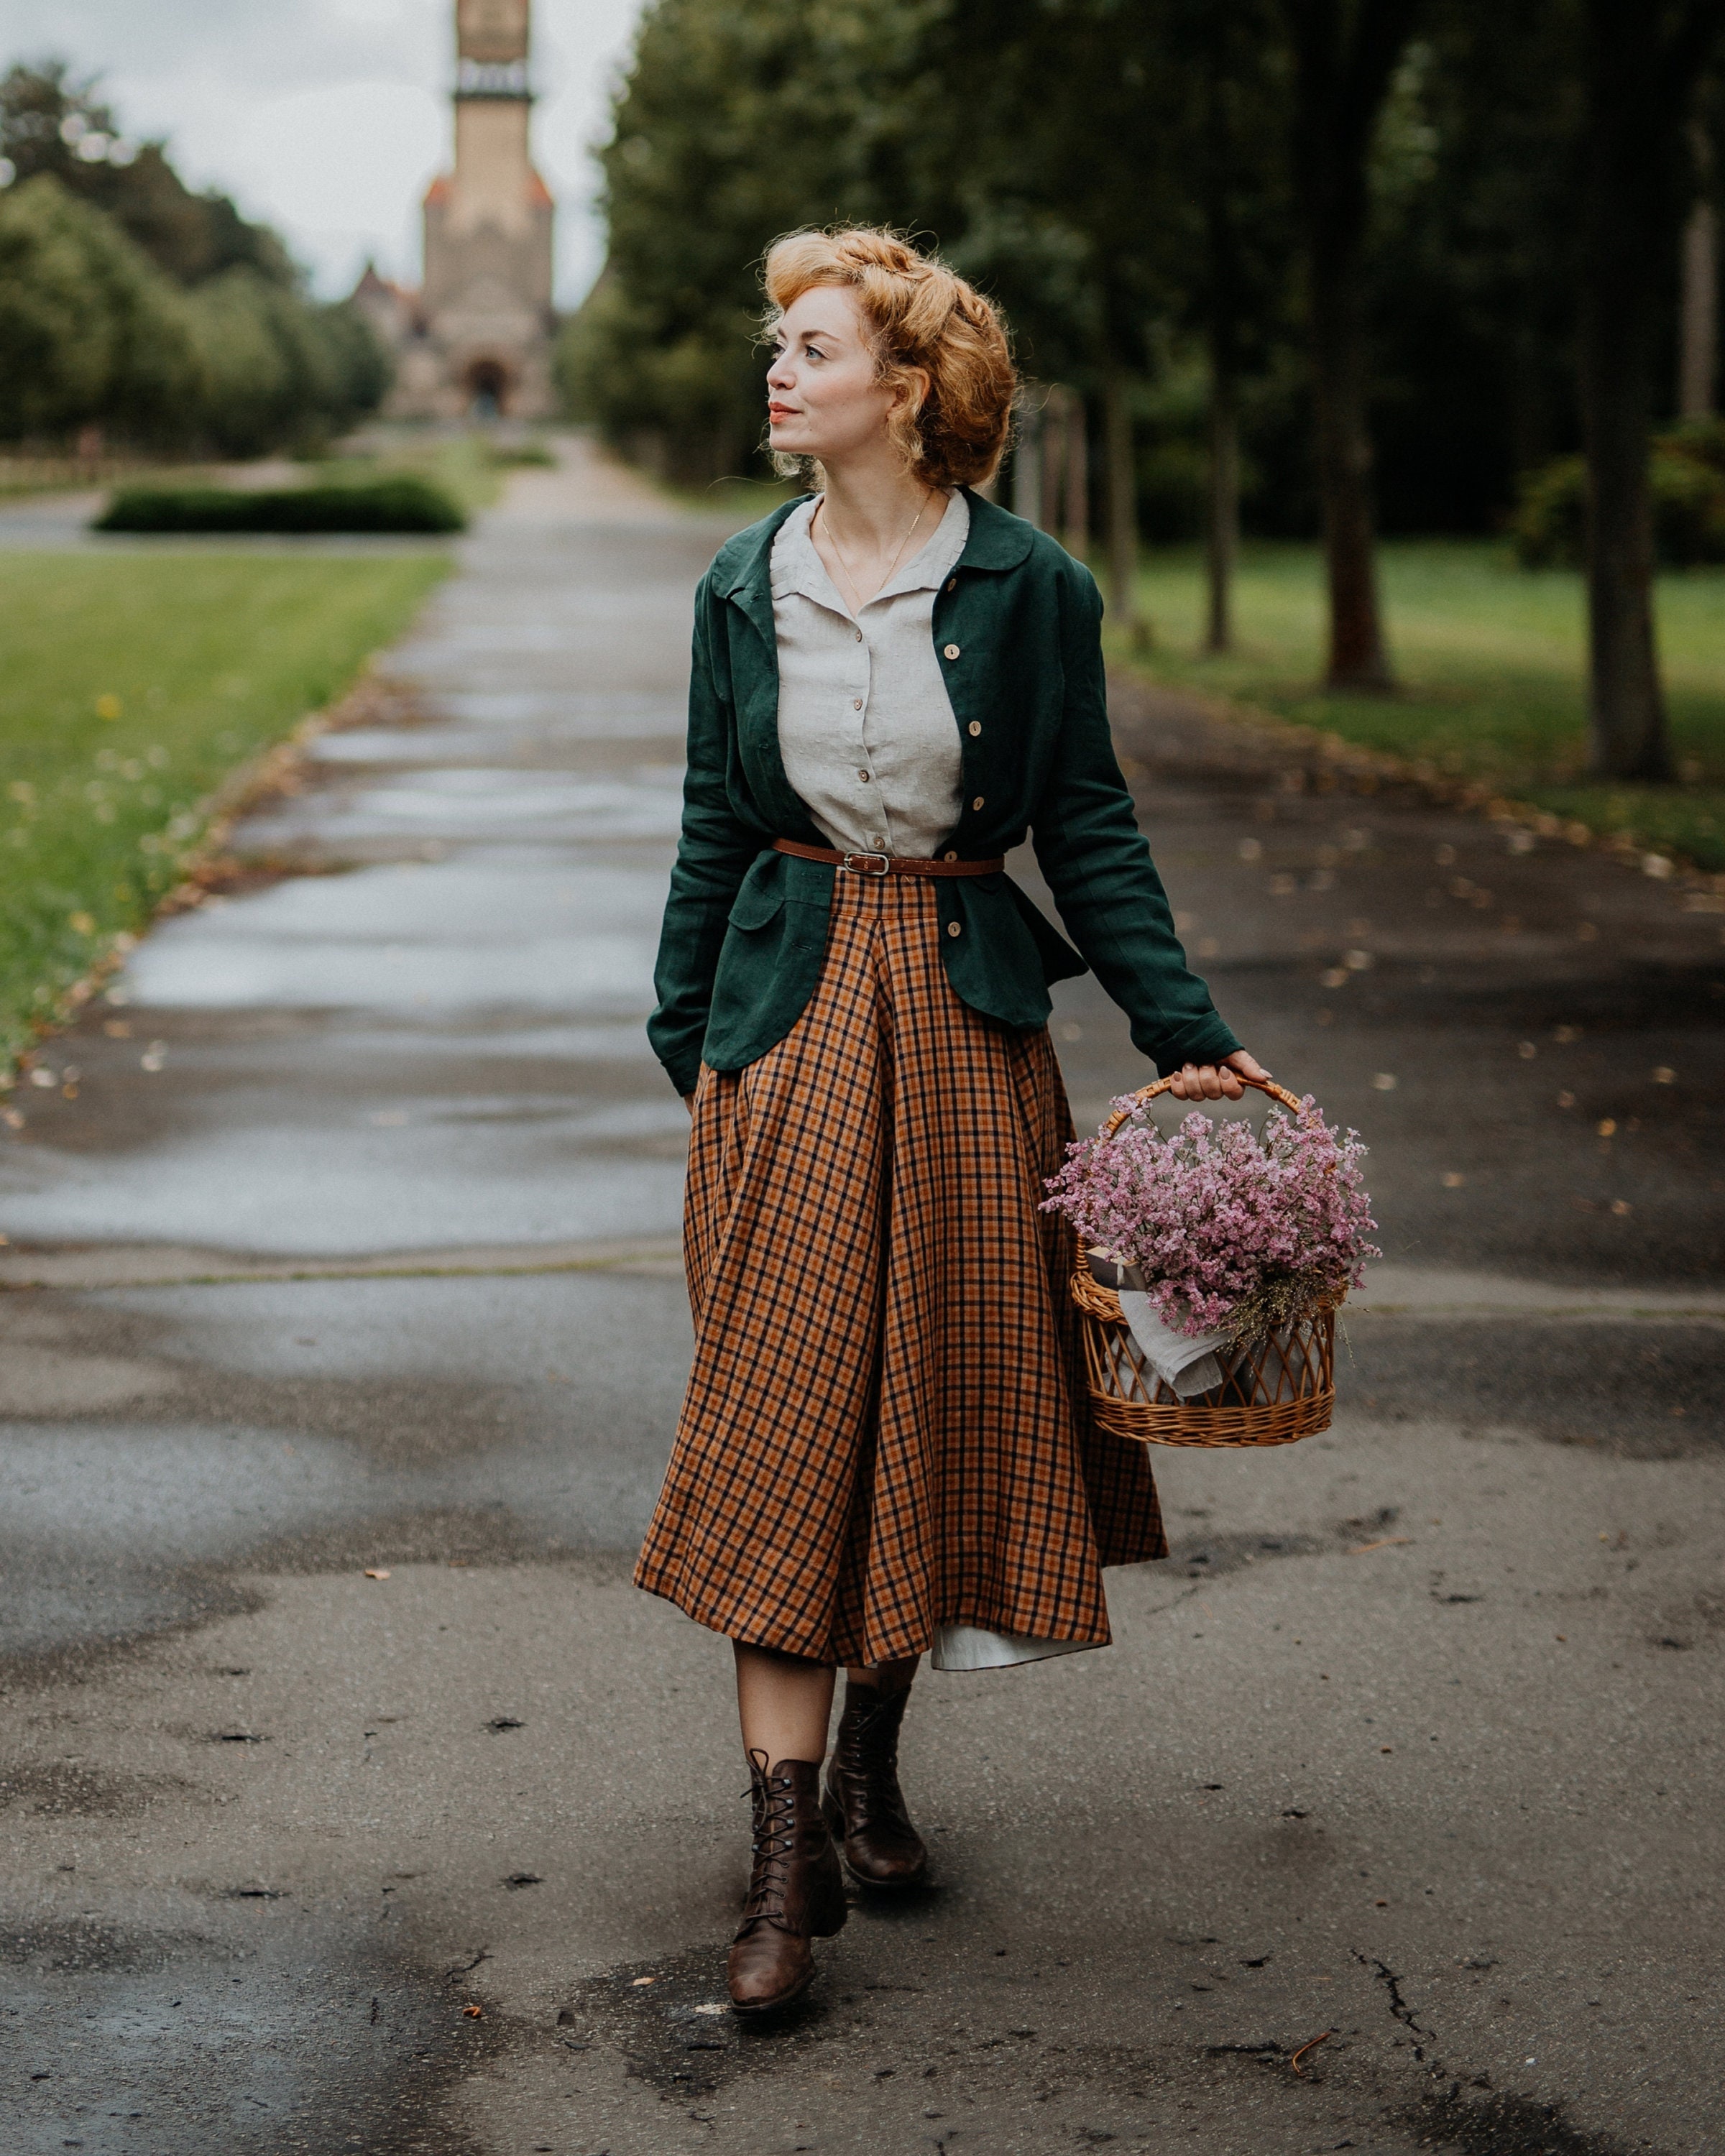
824 398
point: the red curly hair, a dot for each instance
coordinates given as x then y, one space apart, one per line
922 318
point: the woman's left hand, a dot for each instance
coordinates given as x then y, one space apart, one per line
1216 1081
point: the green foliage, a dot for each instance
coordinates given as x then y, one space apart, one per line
128 302
130 686
1687 475
49 123
741 120
89 330
93 333
276 371
401 504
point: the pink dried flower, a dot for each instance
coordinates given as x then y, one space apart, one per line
1213 1214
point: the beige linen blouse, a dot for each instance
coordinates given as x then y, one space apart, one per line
865 726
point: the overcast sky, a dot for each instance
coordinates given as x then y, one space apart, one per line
326 118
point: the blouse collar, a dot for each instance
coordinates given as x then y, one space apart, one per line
796 566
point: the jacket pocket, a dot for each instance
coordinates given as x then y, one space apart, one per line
755 904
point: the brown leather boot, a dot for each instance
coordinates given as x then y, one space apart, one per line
864 1805
796 1890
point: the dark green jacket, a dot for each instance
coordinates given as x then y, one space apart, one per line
745 928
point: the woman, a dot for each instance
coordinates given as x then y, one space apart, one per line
884 1449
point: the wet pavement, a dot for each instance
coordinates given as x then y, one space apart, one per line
354 1255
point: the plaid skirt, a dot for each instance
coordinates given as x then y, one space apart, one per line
885 1427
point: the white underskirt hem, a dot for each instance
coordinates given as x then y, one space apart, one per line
967 1647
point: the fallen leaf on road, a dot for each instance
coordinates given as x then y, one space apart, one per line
1389 1542
1310 2044
473 2013
640 1980
376 1572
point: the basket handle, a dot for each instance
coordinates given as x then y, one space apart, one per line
1147 1093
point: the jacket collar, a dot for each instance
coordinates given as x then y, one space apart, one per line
997 539
747 576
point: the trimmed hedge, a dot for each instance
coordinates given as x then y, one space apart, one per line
386 504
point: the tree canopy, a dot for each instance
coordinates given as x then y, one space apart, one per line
130 304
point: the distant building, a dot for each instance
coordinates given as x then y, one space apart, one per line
476 340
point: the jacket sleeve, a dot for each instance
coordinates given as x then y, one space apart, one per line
714 853
1095 861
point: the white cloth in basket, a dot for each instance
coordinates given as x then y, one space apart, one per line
1186 1363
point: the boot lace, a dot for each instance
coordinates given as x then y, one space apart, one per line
772 1848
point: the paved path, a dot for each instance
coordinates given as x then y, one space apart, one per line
353 1254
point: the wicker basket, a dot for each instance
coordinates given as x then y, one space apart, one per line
1281 1389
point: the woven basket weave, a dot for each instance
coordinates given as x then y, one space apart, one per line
1281 1389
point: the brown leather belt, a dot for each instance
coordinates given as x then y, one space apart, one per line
883 865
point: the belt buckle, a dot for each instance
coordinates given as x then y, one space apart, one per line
848 864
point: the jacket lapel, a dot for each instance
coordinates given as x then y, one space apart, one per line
754 679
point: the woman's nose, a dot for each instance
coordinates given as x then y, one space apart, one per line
779 374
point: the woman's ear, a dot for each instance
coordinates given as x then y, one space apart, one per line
910 391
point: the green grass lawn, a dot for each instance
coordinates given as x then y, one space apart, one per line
1490 659
131 685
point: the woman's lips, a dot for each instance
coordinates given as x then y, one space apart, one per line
781 412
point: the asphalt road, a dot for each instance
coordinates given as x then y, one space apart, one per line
353 1255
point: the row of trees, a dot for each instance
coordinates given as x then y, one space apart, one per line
162 318
1387 254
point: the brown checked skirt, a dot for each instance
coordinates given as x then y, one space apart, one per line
884 1428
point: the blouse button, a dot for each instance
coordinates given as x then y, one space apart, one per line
862 779
951 583
859 636
977 802
953 928
952 651
856 703
975 726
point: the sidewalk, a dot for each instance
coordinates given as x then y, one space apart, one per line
355 1256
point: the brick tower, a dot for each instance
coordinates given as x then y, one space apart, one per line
477 340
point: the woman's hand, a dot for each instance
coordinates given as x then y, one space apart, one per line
689 1103
1216 1081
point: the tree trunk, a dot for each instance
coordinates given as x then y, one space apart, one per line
1075 517
1698 329
1625 705
1357 659
1345 59
1621 204
1122 507
1222 507
1698 361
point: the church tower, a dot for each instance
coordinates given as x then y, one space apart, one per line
484 322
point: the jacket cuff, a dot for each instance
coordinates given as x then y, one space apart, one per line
1207 1041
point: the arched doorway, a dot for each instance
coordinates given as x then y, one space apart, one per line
487 381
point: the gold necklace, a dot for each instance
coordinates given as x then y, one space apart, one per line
857 602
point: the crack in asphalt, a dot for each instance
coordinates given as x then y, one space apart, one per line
1500 2123
1399 2006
